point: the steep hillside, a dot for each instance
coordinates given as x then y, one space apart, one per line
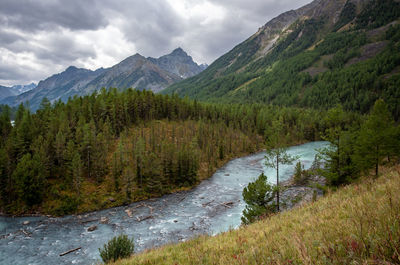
325 53
359 224
134 72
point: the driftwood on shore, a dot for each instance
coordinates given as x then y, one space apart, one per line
70 251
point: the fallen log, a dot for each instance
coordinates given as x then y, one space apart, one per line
227 204
25 233
208 203
70 251
144 218
150 208
89 221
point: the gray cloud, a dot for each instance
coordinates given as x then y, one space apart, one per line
45 14
7 38
42 37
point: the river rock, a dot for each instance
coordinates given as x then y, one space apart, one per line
26 223
92 228
128 212
104 220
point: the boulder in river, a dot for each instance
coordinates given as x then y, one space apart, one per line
104 220
129 212
26 223
92 228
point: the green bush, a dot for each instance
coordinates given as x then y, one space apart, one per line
118 247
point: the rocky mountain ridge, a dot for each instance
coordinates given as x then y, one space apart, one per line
135 71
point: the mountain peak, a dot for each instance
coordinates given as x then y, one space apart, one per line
71 68
179 52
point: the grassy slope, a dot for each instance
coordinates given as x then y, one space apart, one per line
359 224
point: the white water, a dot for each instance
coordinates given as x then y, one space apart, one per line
177 217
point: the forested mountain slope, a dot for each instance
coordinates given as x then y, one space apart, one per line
326 53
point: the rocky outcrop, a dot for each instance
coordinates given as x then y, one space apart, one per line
294 195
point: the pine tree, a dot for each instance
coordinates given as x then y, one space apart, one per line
258 196
376 138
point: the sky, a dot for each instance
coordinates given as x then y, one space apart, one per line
39 38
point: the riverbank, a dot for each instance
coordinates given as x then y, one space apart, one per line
100 198
359 223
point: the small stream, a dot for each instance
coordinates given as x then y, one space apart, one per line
212 207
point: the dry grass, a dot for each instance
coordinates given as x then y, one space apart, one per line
359 224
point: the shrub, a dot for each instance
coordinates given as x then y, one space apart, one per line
118 247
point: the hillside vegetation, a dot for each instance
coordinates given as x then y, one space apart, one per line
313 62
358 224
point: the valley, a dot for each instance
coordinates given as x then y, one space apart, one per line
284 150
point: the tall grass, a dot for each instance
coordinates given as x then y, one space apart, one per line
358 224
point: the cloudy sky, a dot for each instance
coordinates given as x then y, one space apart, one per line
39 38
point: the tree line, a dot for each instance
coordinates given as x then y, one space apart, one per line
113 147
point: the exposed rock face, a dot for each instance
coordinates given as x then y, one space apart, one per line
179 63
134 72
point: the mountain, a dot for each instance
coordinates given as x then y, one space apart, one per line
6 92
148 73
179 63
325 53
13 91
59 86
135 71
23 88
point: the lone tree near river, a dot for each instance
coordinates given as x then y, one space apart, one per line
277 152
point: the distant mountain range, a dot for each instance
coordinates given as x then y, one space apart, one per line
134 72
15 90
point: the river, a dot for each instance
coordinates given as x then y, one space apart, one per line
212 207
